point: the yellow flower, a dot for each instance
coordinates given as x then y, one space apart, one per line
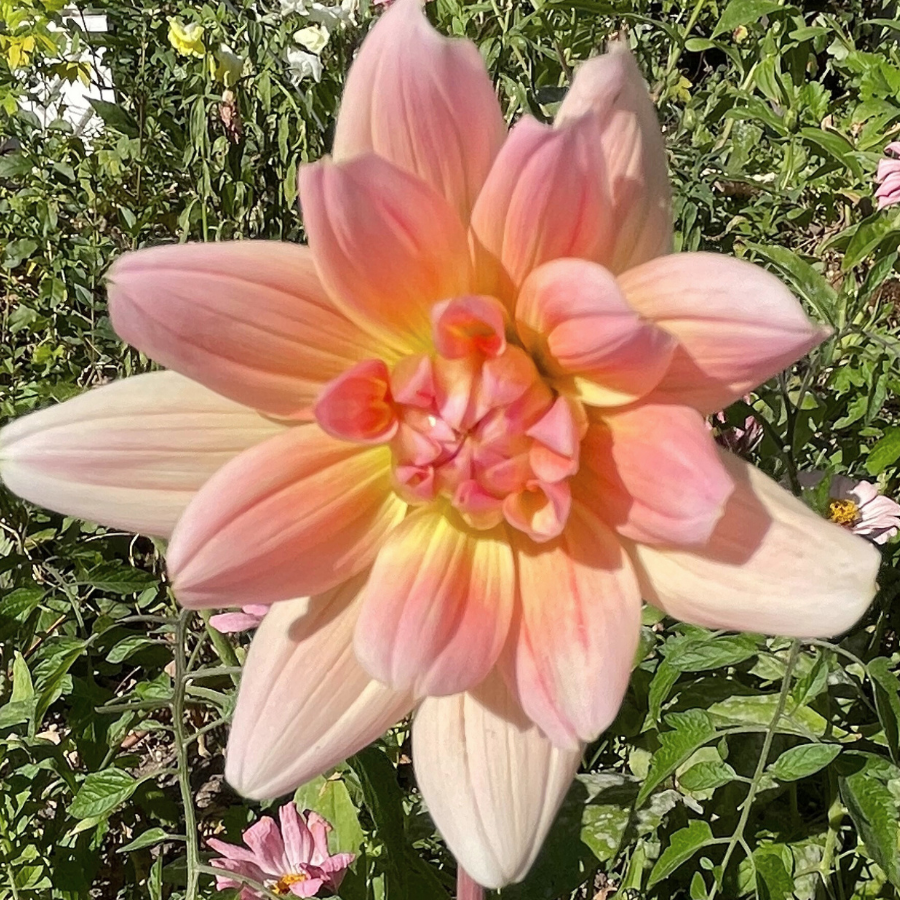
186 39
226 66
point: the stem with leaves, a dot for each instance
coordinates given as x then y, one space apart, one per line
738 837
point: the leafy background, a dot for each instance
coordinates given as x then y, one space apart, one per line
738 766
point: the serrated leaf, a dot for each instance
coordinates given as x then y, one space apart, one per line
101 793
744 12
874 809
128 647
683 845
118 580
803 761
19 603
690 730
776 882
706 776
703 654
887 701
885 452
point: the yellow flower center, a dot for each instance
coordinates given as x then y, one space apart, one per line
283 885
843 512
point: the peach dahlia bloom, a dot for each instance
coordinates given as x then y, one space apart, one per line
454 441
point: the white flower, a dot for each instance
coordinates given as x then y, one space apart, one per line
312 38
328 17
302 65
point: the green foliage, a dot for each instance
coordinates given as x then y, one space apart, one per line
739 766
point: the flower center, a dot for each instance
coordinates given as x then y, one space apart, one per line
843 512
283 885
473 425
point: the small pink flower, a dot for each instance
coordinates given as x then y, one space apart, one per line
887 177
857 505
249 617
293 860
740 439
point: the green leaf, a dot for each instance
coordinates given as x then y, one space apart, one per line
115 117
803 761
759 709
706 776
690 730
702 654
683 845
331 800
744 12
887 701
866 238
813 682
22 686
102 792
118 580
885 452
874 808
19 603
128 647
149 838
774 880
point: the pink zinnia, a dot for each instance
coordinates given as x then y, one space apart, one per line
857 505
466 425
887 177
291 860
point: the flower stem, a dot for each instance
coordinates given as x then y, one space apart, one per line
466 888
738 836
184 771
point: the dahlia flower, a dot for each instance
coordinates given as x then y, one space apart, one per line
291 860
857 506
454 441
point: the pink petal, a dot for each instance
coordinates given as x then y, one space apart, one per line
230 623
305 703
544 199
425 103
131 454
771 566
249 319
295 516
576 321
356 406
610 90
492 782
574 643
387 246
654 473
472 324
298 842
264 840
736 325
437 606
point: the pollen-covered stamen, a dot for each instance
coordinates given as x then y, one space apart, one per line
844 512
282 887
357 406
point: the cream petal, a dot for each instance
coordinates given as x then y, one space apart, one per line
131 454
305 704
249 319
771 566
492 781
